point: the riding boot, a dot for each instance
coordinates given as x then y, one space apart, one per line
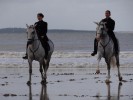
46 53
46 50
26 55
116 47
95 47
115 41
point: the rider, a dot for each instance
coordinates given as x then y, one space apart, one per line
110 25
41 30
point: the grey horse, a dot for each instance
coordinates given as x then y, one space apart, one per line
106 50
36 52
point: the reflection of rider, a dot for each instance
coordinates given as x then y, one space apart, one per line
110 24
41 30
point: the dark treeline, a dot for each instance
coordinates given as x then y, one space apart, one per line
23 30
12 30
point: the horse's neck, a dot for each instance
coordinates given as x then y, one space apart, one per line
35 43
105 40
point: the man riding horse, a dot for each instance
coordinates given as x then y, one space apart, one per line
110 25
41 30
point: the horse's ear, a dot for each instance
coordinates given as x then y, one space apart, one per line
96 23
27 25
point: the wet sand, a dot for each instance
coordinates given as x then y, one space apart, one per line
65 84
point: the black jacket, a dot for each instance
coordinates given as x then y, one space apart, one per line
110 24
41 29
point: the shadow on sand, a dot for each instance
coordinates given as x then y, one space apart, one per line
43 93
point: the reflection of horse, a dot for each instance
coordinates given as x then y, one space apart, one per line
36 52
43 94
106 50
109 97
109 94
30 92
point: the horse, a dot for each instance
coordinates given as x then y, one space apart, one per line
106 50
36 52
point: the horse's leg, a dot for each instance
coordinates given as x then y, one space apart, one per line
30 72
118 66
47 63
99 59
41 70
44 68
108 68
43 74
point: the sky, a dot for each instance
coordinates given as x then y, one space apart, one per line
66 14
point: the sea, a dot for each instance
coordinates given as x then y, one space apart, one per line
72 49
63 41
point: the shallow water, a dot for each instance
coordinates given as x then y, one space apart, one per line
71 76
64 41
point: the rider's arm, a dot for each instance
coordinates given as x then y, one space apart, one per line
46 28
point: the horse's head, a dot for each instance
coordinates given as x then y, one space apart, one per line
30 32
101 30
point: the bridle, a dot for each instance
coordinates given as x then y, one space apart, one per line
33 37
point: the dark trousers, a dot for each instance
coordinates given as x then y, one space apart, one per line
45 45
95 45
112 36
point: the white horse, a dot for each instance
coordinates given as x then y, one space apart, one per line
36 52
106 50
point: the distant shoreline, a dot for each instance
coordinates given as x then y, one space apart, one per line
23 30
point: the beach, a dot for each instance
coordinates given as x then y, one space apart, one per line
71 75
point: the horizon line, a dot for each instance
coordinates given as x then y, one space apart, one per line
60 29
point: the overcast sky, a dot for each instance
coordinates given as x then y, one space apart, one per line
66 14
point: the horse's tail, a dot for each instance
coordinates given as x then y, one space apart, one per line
113 61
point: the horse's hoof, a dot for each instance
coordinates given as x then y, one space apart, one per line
43 82
120 78
107 81
97 71
29 83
